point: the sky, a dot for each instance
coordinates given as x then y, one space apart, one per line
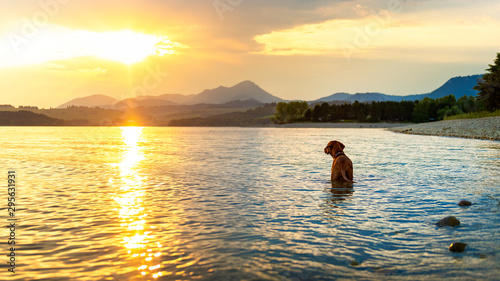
52 51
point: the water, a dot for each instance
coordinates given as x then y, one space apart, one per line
248 204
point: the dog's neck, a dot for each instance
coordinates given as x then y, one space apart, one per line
338 154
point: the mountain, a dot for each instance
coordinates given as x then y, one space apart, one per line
242 91
27 118
91 101
366 97
143 101
458 86
177 98
337 96
249 91
240 103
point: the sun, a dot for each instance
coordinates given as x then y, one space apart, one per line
57 43
129 47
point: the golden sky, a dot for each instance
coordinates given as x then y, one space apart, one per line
52 51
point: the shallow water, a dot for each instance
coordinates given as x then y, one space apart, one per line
248 204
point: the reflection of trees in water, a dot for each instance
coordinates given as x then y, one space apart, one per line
339 193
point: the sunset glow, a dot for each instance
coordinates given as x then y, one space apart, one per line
55 43
378 37
148 140
132 211
127 46
301 50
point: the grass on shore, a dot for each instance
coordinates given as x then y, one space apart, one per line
473 115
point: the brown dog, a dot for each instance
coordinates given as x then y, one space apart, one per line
342 165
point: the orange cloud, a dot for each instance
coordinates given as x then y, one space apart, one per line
385 37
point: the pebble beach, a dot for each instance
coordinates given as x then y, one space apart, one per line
481 128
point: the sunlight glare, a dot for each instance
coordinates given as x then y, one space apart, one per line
128 47
132 214
56 43
131 135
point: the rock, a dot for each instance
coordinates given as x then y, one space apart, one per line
464 203
457 247
448 221
354 263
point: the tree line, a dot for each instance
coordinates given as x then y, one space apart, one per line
424 110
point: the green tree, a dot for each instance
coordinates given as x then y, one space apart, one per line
358 111
375 111
290 112
405 110
489 86
316 114
280 114
467 104
421 110
308 114
325 112
448 111
298 109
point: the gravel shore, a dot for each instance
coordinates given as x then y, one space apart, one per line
480 128
337 125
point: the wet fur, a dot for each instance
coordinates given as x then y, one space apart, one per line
342 165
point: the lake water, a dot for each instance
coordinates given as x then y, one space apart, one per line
247 204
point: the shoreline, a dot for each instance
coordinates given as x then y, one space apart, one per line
487 128
350 125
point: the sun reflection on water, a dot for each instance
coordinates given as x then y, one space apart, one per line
137 237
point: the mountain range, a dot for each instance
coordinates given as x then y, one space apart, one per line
243 91
91 101
252 93
458 86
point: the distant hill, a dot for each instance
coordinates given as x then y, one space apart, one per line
91 101
258 116
366 97
177 98
239 103
337 96
242 92
27 118
251 92
458 86
143 101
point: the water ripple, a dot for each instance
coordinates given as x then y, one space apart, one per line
250 204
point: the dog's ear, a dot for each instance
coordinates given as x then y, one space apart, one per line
327 150
341 145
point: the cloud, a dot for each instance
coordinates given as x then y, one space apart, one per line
293 48
388 34
97 71
175 19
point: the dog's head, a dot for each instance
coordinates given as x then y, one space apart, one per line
334 147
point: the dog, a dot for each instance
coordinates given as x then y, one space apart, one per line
342 165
